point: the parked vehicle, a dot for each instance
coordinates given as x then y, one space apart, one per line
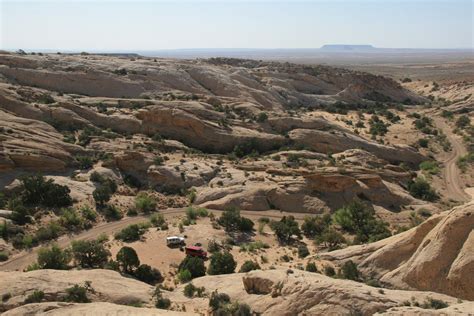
174 241
196 251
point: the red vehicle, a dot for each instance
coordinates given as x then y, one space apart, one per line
196 251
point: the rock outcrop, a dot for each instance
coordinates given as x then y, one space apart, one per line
434 256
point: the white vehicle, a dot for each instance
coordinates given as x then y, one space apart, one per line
174 241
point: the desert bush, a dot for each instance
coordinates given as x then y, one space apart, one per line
84 162
315 225
359 219
184 276
232 221
147 274
303 251
91 254
329 271
36 190
331 239
77 294
423 142
349 271
127 259
36 297
20 213
262 117
3 256
421 189
311 267
430 166
145 203
71 219
191 291
221 263
111 213
102 195
132 232
463 121
158 220
432 303
88 213
254 246
53 258
285 229
49 232
249 265
194 265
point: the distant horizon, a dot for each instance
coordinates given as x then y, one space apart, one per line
152 25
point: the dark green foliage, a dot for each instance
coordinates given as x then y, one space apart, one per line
421 189
357 218
36 190
49 232
145 203
21 214
432 303
90 254
111 213
285 229
102 195
194 265
232 221
218 299
84 162
3 256
315 225
349 271
423 142
329 271
53 258
132 232
221 305
249 265
132 181
71 220
36 297
191 291
311 267
331 239
77 294
303 251
221 263
262 117
128 259
147 274
162 303
463 121
246 148
377 126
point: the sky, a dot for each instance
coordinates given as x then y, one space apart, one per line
153 25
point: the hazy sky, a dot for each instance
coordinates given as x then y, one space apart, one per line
149 25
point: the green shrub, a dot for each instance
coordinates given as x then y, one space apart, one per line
285 229
331 239
53 258
3 256
315 225
147 274
163 303
184 276
430 166
84 162
111 213
145 203
311 267
91 254
432 303
71 219
190 291
127 259
329 271
349 271
77 294
254 246
359 219
249 265
88 213
36 297
49 232
262 117
194 265
421 189
132 232
102 195
232 221
463 121
158 220
303 251
36 190
423 142
221 263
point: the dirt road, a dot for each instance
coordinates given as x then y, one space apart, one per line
25 258
451 173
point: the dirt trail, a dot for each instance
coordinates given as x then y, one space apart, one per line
451 174
25 258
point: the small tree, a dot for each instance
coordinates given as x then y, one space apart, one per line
102 195
311 267
53 258
331 239
194 265
222 263
36 190
349 271
77 294
128 259
232 221
315 225
285 229
303 251
147 274
145 203
89 253
421 189
249 265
